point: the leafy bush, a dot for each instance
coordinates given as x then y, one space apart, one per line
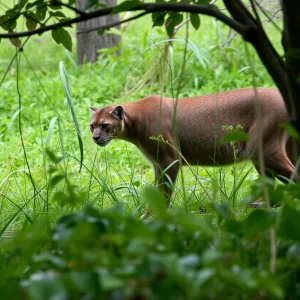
94 253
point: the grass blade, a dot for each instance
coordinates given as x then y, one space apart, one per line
65 82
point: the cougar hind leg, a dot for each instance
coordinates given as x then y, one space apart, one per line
279 161
277 164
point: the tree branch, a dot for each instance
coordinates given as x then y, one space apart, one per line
107 26
148 8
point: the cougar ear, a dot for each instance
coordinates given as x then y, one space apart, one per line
118 112
93 109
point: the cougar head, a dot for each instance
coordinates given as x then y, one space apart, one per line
107 123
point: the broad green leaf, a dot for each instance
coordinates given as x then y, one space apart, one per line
61 36
289 225
290 129
22 3
57 14
15 41
4 23
41 12
45 286
190 261
7 23
224 210
158 18
156 200
125 6
55 7
55 159
204 275
259 220
235 136
31 22
56 179
111 282
35 3
195 20
100 31
172 21
13 13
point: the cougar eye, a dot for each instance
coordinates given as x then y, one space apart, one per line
103 126
91 127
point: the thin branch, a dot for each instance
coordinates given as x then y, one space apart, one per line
148 8
107 26
256 14
269 17
78 11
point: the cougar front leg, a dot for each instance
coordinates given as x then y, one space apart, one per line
165 177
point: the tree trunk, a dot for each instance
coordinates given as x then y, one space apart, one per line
88 43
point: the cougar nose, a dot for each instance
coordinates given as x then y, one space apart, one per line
96 137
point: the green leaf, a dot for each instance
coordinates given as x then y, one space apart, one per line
22 3
290 129
100 31
61 36
259 220
31 22
235 136
156 200
55 7
289 225
41 12
172 21
111 282
15 41
195 20
224 210
56 179
158 18
7 23
57 14
55 159
4 23
45 286
35 3
125 6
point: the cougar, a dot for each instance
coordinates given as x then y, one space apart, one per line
196 131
